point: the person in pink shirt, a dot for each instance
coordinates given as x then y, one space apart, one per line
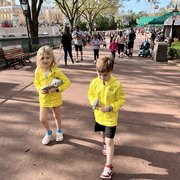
113 48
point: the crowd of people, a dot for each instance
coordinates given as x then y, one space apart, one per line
120 42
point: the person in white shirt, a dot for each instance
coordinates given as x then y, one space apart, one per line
96 46
78 36
120 40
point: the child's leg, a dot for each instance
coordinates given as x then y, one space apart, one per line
109 140
44 118
109 150
103 136
57 117
113 55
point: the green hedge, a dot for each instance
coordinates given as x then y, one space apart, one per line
174 50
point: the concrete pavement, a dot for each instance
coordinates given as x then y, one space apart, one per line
147 144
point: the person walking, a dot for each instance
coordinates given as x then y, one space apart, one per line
120 40
96 46
131 38
106 96
66 42
78 36
113 48
49 95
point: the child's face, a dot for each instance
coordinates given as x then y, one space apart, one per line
46 61
104 76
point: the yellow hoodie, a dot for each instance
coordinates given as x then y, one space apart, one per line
40 81
109 94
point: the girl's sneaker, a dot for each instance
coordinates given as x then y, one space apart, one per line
59 136
107 172
46 139
104 149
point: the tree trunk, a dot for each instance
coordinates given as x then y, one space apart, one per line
34 31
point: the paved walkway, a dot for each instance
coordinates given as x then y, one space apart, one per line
147 144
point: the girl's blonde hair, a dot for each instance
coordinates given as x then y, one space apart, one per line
41 51
104 64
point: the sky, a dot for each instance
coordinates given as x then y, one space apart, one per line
135 6
143 5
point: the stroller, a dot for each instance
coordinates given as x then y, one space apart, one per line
145 49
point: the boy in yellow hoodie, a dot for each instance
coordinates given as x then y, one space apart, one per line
106 96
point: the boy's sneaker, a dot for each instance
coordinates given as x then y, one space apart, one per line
46 139
59 136
107 172
95 61
104 149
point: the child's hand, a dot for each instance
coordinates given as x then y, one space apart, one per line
104 109
44 91
52 90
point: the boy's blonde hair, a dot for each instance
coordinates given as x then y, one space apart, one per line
49 51
104 64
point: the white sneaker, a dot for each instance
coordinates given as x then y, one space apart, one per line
107 172
46 139
59 136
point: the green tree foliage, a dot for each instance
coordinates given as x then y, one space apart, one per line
105 23
71 9
91 9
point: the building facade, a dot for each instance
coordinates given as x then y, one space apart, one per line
10 13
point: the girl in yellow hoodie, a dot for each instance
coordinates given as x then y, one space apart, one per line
45 73
106 97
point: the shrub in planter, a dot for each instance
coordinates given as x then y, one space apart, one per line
174 50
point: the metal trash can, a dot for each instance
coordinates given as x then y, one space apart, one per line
160 52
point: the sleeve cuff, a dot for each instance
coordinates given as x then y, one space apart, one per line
110 108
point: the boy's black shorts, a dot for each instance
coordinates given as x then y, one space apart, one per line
109 131
78 47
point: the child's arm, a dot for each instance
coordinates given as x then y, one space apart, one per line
91 96
37 82
120 99
65 81
117 104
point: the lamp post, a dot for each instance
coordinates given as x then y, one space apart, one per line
24 6
174 15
